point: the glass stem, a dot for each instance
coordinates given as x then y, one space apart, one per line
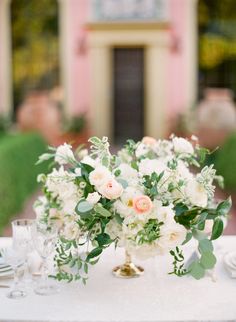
16 278
45 272
127 258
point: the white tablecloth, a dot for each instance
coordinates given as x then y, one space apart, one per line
156 296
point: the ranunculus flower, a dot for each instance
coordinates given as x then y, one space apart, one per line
111 189
99 176
93 198
196 193
64 154
182 146
142 204
148 140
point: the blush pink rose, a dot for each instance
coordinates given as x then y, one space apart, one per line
148 140
142 204
111 189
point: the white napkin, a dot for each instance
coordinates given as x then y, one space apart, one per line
230 263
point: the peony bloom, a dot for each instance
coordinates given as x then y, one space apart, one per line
142 204
182 146
99 176
93 198
111 189
64 154
196 193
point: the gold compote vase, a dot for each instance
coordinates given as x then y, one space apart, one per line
128 269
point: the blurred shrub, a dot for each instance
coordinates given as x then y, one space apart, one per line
18 173
225 162
76 124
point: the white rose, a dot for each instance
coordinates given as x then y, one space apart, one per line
196 193
172 235
111 189
88 160
127 172
93 198
99 176
165 214
182 146
141 150
147 166
71 231
64 154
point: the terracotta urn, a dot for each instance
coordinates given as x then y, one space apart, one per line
216 117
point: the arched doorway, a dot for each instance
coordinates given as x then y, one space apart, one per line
35 48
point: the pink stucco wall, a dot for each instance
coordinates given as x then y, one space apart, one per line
79 62
176 66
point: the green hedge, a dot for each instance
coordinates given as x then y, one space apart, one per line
225 162
18 173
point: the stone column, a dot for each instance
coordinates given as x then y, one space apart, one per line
6 106
101 100
191 55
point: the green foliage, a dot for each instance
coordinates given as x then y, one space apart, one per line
226 160
18 173
150 184
178 263
150 232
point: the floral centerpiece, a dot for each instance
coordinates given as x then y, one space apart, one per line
149 199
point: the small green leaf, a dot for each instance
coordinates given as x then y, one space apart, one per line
102 211
94 140
83 207
94 253
189 235
205 245
208 260
196 270
224 207
118 218
217 229
86 268
103 239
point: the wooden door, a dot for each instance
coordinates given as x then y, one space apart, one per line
128 94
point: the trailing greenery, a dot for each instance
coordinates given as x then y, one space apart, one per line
225 162
18 155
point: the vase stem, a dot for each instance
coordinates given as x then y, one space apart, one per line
128 269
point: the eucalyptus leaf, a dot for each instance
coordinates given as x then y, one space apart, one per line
205 245
196 270
83 207
208 260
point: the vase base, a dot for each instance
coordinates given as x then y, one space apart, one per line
128 270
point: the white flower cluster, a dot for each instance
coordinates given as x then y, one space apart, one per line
131 197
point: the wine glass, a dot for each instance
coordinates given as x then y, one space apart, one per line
44 239
22 239
15 259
